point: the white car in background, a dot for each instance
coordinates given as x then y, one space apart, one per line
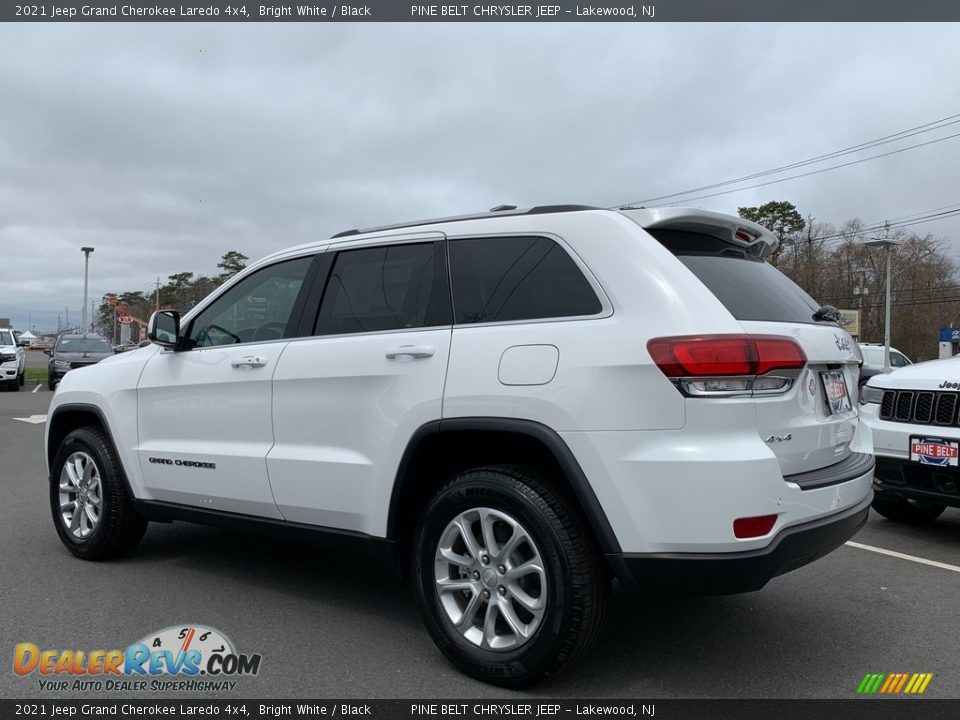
914 414
13 360
873 357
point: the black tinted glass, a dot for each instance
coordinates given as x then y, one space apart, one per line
385 288
749 288
516 278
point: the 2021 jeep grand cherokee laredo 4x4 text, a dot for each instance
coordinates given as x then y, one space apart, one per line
522 405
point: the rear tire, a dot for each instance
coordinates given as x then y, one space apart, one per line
907 511
88 498
531 593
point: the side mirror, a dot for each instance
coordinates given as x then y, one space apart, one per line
23 343
164 329
48 352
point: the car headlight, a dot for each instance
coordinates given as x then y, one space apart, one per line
869 394
62 364
7 357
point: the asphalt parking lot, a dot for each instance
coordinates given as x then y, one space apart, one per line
330 625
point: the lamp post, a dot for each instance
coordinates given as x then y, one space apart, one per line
888 245
86 269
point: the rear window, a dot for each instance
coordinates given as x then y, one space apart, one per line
748 287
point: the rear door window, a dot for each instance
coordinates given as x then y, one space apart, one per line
390 287
500 279
750 288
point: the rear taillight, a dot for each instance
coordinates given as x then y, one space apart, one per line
728 364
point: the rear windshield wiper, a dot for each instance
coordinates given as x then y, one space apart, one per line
827 313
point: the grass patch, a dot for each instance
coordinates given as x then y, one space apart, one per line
36 375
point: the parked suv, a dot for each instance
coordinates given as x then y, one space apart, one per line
13 359
914 414
72 352
517 406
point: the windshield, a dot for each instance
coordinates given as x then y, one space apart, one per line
83 344
6 337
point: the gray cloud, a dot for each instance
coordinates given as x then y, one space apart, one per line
166 145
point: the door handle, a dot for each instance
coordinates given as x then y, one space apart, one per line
249 361
411 352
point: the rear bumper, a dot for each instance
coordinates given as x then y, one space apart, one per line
679 492
737 572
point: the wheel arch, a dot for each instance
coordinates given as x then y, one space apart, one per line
70 416
442 448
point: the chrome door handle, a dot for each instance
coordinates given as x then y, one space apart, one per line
249 361
412 352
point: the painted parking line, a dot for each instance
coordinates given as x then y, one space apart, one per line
903 556
33 419
36 388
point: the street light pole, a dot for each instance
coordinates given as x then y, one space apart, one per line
886 319
888 245
86 268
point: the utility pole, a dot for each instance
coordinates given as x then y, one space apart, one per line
86 268
158 295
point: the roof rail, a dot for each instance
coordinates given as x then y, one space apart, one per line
496 213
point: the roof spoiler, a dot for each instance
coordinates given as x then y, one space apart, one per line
750 236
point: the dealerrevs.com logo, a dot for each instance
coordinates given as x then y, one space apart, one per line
181 657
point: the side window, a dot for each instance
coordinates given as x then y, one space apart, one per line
256 309
385 288
898 361
516 278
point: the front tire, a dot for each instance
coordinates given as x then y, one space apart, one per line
22 378
88 498
907 511
509 581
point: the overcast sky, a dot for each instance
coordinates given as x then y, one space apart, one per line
166 145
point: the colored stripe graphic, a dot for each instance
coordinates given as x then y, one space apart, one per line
870 683
903 681
894 683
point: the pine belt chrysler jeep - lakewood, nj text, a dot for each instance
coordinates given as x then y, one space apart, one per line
519 406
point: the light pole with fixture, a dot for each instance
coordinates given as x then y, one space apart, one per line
888 245
86 268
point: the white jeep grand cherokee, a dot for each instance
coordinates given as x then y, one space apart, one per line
13 360
913 413
518 406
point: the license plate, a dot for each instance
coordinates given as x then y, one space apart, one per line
934 451
835 387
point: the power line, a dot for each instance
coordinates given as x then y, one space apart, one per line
919 218
821 170
886 139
